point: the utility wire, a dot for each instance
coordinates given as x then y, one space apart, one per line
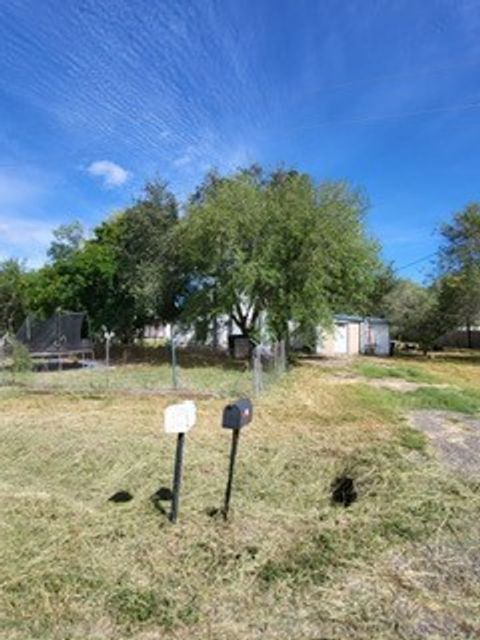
411 264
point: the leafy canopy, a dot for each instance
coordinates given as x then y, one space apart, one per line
276 244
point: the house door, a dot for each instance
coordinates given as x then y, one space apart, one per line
341 339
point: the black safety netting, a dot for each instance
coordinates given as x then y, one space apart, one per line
61 333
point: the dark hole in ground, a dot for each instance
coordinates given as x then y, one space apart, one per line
343 491
163 494
215 512
121 496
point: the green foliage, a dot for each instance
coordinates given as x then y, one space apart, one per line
221 242
415 314
384 283
68 239
279 245
21 359
459 264
13 295
124 276
262 249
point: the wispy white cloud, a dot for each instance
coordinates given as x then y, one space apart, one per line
112 174
24 232
185 159
18 189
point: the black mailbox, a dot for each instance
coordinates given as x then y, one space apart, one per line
238 414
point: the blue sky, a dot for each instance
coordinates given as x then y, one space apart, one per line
98 95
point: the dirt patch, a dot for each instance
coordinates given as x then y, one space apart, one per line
394 384
427 591
404 386
455 436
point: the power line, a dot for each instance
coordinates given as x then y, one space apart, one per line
411 264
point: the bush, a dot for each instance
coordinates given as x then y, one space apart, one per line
21 359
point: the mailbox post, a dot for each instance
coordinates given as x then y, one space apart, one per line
179 419
235 416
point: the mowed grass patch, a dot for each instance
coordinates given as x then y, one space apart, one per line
75 565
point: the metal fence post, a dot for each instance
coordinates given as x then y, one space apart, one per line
257 371
174 362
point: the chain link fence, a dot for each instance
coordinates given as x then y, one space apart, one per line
144 370
269 363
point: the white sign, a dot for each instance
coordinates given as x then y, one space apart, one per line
180 418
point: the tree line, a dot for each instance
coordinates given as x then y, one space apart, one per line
244 244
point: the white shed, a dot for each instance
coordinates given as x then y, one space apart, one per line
375 337
353 335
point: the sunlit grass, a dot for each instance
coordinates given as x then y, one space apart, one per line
405 372
289 564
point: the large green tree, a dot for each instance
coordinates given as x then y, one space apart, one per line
124 276
320 258
13 295
221 240
459 262
278 244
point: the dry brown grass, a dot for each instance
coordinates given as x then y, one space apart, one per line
287 565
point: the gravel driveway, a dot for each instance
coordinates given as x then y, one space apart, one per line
455 436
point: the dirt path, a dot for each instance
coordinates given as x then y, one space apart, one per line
455 436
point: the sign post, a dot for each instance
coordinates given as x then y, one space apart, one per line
235 417
179 419
108 335
177 477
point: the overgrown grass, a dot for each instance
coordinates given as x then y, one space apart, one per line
289 563
409 373
391 403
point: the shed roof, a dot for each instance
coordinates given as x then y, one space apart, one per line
342 317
